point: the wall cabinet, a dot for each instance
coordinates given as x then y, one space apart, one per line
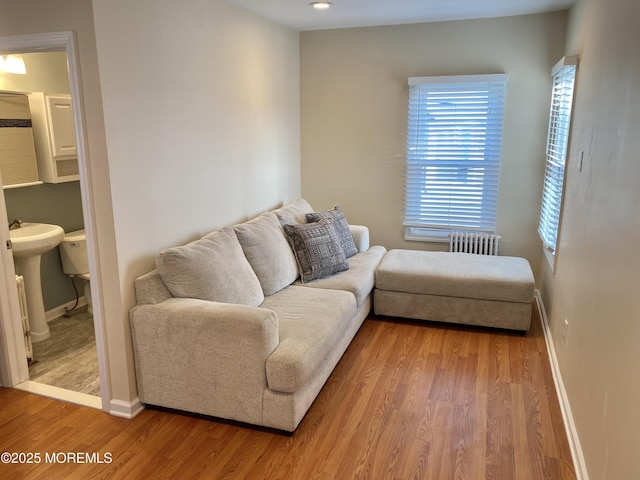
54 136
17 153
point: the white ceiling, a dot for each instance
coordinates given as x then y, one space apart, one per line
298 15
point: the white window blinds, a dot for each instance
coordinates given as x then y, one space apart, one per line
454 141
564 74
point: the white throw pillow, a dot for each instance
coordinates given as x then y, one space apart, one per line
293 212
268 251
212 268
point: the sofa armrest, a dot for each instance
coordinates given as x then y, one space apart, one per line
360 237
203 357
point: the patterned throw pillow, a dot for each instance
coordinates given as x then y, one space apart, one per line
341 226
317 249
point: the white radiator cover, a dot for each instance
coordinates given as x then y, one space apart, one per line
22 297
473 242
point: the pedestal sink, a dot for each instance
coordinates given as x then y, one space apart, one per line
29 242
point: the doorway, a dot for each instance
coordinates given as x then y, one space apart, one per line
14 369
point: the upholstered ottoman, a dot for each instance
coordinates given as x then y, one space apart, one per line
464 288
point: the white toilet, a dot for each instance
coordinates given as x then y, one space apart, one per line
73 253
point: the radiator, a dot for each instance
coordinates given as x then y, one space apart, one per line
22 297
471 242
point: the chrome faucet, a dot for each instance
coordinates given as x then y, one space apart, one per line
17 223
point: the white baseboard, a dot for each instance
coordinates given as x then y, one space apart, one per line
569 425
119 408
58 393
58 312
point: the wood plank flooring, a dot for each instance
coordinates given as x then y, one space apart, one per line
408 400
68 358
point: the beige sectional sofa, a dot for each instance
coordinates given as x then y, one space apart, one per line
236 325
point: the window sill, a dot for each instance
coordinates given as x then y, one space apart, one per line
432 235
411 234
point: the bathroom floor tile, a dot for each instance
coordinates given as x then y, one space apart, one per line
68 359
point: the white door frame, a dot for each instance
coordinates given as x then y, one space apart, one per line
13 360
13 355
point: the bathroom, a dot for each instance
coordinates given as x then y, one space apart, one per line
67 359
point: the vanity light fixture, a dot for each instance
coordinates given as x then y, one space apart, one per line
321 5
13 64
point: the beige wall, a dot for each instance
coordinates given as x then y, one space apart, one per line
202 119
354 107
598 266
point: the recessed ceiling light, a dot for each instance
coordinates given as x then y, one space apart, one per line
321 5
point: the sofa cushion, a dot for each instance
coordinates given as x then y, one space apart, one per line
212 268
310 321
342 228
452 274
317 249
268 251
293 212
360 277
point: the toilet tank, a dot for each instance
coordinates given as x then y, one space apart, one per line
73 253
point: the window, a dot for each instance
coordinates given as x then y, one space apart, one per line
454 141
564 74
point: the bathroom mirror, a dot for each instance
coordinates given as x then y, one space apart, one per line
18 164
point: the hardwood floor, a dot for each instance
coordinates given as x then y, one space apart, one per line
408 400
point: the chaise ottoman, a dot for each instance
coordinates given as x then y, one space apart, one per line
484 290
